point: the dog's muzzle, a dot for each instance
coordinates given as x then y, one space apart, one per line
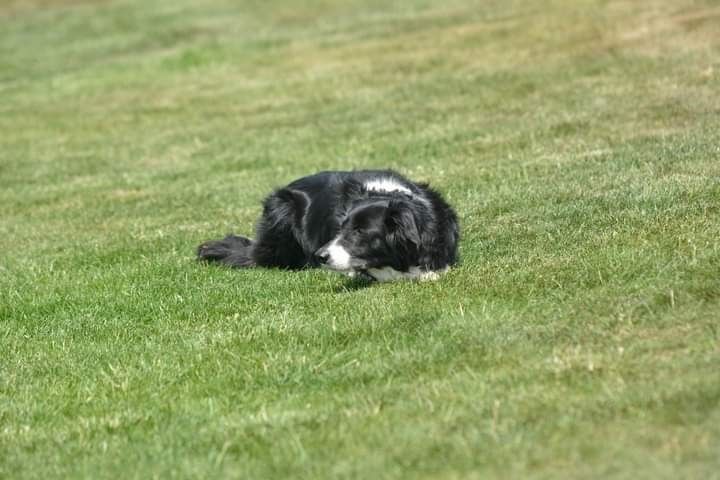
322 256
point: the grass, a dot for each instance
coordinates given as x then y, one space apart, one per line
577 140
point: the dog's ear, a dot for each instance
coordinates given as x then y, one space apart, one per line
400 223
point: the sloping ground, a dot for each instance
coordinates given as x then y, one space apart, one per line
578 141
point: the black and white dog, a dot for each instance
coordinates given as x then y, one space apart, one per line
374 224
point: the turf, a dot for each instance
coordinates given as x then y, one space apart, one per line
578 141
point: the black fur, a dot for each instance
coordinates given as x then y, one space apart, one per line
398 229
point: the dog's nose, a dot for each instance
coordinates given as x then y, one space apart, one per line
322 256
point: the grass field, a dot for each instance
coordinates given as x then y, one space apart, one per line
578 140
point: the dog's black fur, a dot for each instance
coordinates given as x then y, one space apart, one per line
376 219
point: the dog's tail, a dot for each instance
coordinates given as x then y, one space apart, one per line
233 251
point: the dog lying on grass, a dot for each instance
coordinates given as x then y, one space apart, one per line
373 224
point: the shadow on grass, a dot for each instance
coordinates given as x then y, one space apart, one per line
354 284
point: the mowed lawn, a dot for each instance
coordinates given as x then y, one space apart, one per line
578 140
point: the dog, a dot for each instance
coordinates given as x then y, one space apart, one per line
370 224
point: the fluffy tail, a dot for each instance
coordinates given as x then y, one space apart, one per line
233 251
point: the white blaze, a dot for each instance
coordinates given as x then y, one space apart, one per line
339 257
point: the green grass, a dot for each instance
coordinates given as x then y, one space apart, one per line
578 141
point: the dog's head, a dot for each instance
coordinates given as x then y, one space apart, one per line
374 234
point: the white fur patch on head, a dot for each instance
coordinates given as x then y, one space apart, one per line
339 257
389 274
386 185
